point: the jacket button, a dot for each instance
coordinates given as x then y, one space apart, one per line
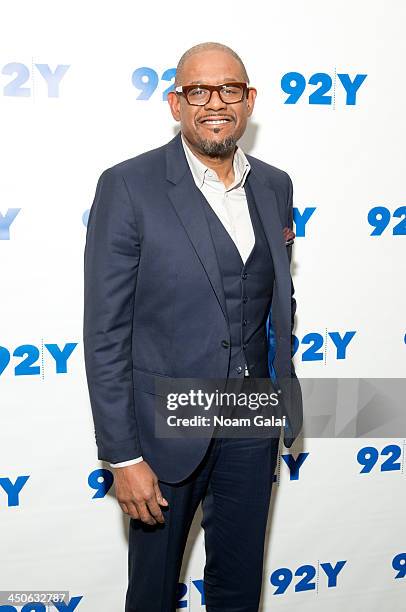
244 346
225 344
244 275
245 299
244 322
239 369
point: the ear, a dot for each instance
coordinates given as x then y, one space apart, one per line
174 103
252 94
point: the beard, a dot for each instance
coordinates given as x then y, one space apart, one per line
214 148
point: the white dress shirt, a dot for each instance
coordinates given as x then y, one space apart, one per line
231 207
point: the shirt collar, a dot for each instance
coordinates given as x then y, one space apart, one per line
201 173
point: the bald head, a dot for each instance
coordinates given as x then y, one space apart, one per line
201 48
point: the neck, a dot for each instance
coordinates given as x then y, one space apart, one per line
223 166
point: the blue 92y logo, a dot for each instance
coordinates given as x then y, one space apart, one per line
32 358
146 81
283 577
21 75
379 218
336 341
399 565
5 222
369 456
294 85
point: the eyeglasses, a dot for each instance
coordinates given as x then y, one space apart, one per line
199 95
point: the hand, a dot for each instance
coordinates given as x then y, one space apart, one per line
138 493
288 235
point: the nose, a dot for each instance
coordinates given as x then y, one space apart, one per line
215 102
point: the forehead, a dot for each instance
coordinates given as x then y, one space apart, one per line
211 67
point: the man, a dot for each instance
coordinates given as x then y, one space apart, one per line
185 259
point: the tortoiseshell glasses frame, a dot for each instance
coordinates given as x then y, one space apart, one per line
200 94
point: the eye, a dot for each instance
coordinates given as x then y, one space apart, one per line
231 90
198 92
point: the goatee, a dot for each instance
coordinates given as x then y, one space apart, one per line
213 148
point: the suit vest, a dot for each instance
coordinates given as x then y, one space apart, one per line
247 289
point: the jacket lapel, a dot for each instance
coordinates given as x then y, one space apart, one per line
267 206
185 198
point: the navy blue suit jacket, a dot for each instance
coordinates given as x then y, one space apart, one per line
154 304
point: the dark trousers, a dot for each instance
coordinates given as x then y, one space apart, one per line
234 483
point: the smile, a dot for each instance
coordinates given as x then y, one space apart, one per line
215 121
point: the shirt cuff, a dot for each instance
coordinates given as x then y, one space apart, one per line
129 462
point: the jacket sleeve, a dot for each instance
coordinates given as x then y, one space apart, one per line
111 259
289 248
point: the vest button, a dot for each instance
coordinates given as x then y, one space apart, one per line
244 322
244 346
225 344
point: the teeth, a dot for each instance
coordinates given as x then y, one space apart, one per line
216 121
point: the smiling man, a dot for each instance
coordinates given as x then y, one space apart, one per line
187 276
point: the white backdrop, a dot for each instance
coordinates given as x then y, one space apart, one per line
69 110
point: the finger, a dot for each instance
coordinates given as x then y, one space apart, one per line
155 510
144 513
124 507
130 510
160 498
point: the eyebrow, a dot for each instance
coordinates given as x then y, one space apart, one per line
226 80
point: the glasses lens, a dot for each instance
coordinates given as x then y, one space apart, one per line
232 93
198 95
